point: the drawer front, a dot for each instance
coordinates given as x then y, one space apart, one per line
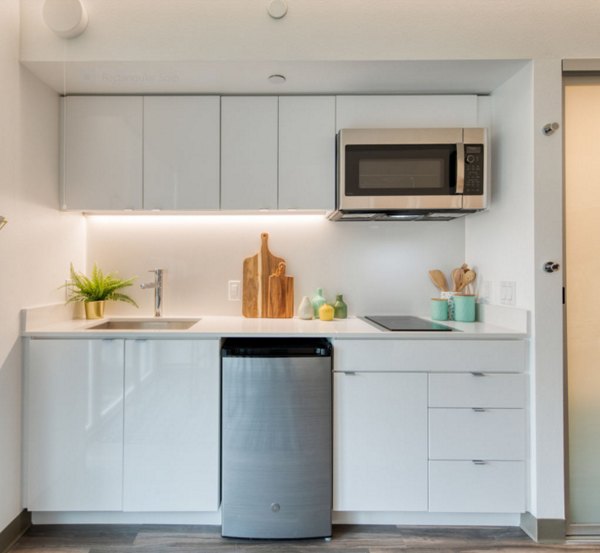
468 434
477 390
467 487
430 355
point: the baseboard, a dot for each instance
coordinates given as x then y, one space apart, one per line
543 530
15 530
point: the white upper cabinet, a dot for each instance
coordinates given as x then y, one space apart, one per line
249 129
181 152
306 152
368 112
102 157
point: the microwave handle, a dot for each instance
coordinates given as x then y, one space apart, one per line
460 168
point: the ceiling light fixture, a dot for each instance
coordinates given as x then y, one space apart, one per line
67 18
277 9
277 79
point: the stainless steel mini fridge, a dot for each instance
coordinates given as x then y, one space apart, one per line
276 438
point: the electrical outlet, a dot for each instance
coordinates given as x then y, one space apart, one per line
234 288
508 292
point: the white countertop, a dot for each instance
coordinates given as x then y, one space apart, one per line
216 327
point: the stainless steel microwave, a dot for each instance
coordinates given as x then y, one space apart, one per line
411 174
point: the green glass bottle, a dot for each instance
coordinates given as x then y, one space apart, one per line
317 301
340 307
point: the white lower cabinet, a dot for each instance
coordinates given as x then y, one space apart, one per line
430 425
380 442
74 440
477 433
477 486
477 443
123 425
171 455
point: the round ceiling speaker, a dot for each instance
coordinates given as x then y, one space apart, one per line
67 18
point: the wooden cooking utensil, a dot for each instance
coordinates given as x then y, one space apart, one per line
255 286
467 277
280 304
438 278
456 277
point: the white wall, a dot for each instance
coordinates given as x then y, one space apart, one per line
321 29
38 242
379 267
500 241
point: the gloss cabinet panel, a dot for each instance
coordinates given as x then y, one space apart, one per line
171 454
249 152
74 414
181 152
380 442
102 152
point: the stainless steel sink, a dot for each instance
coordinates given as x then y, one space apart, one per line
147 324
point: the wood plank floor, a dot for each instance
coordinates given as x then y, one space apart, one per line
346 538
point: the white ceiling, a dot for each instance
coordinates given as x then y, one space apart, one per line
251 77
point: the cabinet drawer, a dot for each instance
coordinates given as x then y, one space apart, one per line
477 390
469 434
467 487
430 355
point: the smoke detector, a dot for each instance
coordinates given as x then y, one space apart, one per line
277 9
67 18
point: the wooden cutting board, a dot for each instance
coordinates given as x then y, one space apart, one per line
280 304
255 286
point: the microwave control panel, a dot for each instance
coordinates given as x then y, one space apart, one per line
473 169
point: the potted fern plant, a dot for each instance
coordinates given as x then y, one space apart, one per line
95 290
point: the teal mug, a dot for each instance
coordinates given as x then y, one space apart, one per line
439 309
464 308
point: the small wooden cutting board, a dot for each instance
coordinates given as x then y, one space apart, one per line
255 287
280 303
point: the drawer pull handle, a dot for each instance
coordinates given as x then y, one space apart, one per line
351 373
479 462
479 409
477 374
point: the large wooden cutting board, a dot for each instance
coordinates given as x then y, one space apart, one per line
255 286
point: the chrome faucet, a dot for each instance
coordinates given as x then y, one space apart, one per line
158 290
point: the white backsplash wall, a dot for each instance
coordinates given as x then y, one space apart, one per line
379 267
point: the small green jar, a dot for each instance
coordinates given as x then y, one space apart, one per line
340 307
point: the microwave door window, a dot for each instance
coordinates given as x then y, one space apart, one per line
405 174
400 170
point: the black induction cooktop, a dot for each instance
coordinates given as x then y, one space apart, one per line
407 323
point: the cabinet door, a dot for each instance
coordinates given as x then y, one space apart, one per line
74 438
380 112
477 487
171 425
181 152
102 141
306 152
470 434
380 442
249 152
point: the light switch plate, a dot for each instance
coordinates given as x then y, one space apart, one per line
508 292
234 288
